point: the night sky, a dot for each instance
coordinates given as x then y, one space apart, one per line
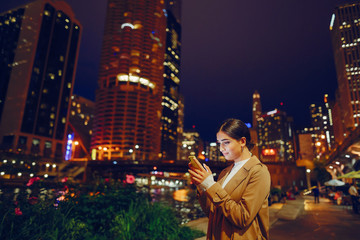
230 48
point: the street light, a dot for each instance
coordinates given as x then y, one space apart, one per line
136 148
308 171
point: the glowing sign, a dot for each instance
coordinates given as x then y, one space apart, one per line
248 125
269 152
135 79
332 21
69 146
127 25
272 112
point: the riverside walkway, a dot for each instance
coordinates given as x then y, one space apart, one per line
303 219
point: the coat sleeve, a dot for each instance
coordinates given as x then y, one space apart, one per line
204 201
242 213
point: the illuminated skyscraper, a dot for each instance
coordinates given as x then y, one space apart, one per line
345 31
256 110
322 124
170 99
39 46
80 122
276 137
130 86
180 127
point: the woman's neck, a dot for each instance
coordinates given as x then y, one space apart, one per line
245 155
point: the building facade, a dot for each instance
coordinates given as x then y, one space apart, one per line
256 109
170 98
130 86
80 122
322 127
345 33
37 69
180 128
192 145
276 137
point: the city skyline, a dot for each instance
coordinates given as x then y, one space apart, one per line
285 54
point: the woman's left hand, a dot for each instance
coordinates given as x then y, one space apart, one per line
199 175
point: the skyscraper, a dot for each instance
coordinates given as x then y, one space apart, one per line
170 98
345 32
130 86
39 49
256 109
276 137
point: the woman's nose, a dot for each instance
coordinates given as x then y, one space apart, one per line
221 148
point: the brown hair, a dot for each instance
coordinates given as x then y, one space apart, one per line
236 129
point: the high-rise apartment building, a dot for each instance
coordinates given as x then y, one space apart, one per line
170 98
39 47
130 85
276 137
345 32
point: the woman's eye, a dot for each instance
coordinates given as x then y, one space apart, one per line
226 143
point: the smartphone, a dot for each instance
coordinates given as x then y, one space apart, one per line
194 163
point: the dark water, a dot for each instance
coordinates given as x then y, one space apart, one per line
186 206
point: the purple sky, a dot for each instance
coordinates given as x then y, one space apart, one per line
230 48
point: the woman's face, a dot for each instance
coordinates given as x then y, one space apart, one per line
230 147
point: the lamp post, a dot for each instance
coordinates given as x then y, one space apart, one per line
75 144
136 149
308 171
131 151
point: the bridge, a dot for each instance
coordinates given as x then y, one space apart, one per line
346 154
118 168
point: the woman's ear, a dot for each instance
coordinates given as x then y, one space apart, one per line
243 141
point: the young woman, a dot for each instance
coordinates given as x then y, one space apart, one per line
237 204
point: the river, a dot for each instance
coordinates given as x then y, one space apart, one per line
182 200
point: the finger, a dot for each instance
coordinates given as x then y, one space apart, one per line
194 173
207 168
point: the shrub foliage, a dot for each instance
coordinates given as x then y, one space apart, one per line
104 210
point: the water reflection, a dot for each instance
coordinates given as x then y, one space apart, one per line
183 200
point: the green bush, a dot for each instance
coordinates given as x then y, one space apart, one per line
145 220
105 210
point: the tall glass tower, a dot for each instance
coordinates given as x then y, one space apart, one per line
345 32
170 98
39 47
130 85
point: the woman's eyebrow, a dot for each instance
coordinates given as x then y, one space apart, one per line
222 140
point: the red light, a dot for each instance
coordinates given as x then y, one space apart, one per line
269 152
193 126
155 168
281 103
130 179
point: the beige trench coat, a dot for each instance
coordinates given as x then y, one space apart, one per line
240 211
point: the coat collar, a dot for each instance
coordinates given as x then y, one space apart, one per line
240 175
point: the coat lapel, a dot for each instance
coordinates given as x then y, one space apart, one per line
240 175
224 174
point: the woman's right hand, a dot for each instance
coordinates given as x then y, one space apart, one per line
199 175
